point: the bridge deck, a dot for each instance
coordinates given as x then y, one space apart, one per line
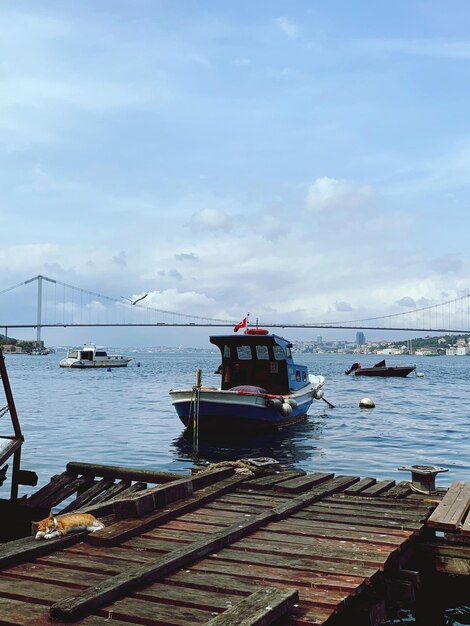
304 545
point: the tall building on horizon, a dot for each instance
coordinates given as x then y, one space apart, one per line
360 338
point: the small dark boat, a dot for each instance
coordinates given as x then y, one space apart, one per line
381 369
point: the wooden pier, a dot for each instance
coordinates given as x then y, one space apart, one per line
220 548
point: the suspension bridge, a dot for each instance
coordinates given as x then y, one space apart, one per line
59 305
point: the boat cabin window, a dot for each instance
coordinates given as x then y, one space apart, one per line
100 353
226 352
297 376
244 353
87 354
262 353
72 354
279 353
304 376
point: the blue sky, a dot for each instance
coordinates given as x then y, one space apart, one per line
303 161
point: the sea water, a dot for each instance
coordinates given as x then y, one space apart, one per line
124 417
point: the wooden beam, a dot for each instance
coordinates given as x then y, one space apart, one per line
303 483
125 529
260 609
121 472
452 508
26 549
135 576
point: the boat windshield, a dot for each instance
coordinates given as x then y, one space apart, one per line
72 354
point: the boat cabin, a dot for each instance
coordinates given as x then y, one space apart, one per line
87 353
259 360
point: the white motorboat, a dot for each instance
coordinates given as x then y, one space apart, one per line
91 356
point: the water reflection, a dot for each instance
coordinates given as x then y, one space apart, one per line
295 445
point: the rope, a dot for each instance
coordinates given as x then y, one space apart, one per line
4 410
242 466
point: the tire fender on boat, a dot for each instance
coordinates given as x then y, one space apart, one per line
292 402
286 409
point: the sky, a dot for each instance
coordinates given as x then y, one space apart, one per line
304 161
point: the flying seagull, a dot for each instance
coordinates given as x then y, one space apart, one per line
135 301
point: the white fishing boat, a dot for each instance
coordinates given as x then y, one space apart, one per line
91 356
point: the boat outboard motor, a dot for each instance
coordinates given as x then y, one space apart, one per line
353 368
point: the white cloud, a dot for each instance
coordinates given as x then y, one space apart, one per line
407 301
287 27
211 219
331 194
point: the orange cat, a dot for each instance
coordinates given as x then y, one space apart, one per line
58 526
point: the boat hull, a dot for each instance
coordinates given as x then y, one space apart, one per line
397 371
121 362
230 410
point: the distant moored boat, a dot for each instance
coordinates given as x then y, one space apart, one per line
91 356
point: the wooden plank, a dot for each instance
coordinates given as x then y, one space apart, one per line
364 483
28 548
260 609
445 558
29 614
273 574
56 483
465 529
119 471
452 508
64 492
378 488
401 490
296 504
87 495
135 576
116 533
267 482
160 496
296 485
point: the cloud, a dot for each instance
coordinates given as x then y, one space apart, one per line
170 274
331 194
186 256
211 219
241 62
287 27
120 259
343 307
408 302
447 264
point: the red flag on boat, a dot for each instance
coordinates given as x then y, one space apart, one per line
242 324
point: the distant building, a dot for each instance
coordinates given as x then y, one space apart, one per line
360 339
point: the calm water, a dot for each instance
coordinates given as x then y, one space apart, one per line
125 417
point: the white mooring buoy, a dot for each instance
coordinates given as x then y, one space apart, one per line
366 403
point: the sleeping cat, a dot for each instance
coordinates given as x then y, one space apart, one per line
58 526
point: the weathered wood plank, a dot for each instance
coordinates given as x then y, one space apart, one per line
30 614
401 490
110 589
379 488
452 508
445 558
364 483
56 483
465 529
267 482
273 574
114 534
87 495
28 548
260 609
121 472
64 492
297 485
296 504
